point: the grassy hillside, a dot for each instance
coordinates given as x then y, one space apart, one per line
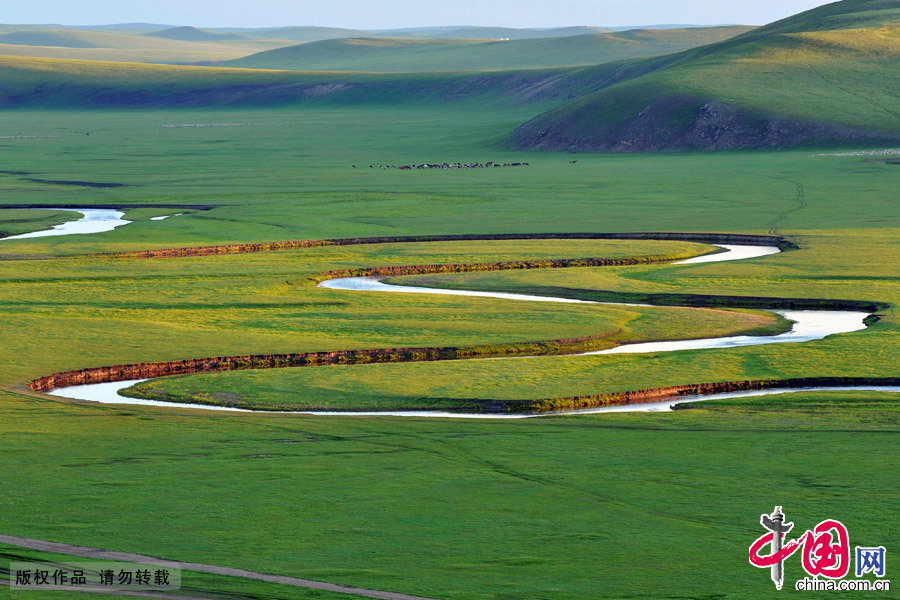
36 82
394 54
807 79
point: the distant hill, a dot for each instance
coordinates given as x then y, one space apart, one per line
62 38
104 45
315 34
123 26
826 76
74 38
45 83
484 33
434 55
192 34
304 33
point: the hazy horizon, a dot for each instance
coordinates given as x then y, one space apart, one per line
403 14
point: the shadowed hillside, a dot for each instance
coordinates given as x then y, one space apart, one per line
432 55
829 75
35 82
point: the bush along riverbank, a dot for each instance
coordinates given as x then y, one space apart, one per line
678 392
307 359
703 238
552 263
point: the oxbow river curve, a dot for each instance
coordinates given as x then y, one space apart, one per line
807 325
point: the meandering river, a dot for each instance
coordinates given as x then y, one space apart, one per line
807 325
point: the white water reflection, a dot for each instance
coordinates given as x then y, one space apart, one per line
164 217
734 252
107 393
808 325
93 220
374 284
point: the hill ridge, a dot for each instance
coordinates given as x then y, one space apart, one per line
798 81
381 54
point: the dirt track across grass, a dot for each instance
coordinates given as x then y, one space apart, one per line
97 553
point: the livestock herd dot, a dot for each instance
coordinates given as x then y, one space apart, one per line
474 165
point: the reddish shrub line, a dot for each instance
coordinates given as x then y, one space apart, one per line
710 238
662 394
551 263
304 359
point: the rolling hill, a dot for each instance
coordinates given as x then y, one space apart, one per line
193 34
434 55
827 76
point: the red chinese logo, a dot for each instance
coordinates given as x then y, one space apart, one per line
826 549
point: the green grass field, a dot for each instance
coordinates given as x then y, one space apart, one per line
449 509
459 509
648 506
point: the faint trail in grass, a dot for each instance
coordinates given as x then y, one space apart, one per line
856 94
799 198
606 499
448 451
97 553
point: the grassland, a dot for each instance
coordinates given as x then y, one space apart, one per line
433 55
516 510
450 509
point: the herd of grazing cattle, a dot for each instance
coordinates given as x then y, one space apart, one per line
475 165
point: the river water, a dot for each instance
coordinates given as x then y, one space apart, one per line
93 220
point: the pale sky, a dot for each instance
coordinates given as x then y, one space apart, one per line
384 14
